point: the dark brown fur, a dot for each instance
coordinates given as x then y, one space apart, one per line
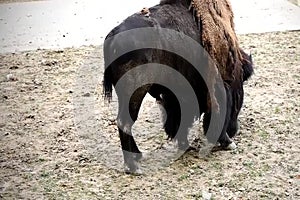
177 16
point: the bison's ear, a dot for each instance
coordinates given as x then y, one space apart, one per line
247 65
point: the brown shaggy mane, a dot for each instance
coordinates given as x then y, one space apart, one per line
215 21
215 18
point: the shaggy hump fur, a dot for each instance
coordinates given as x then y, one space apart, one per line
218 35
215 22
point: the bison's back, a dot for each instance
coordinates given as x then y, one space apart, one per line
171 16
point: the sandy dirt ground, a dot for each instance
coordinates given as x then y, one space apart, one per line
48 147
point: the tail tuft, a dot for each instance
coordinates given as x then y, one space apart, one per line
107 85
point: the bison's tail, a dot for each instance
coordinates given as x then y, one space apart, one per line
247 65
107 84
107 78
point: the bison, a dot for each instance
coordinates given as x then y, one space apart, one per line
149 36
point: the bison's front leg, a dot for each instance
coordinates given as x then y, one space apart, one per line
233 127
220 129
224 139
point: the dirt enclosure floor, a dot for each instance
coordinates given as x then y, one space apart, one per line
56 132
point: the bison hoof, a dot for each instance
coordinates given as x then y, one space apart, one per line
132 169
231 146
206 150
138 156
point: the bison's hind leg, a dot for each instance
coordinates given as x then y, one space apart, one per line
173 120
131 152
